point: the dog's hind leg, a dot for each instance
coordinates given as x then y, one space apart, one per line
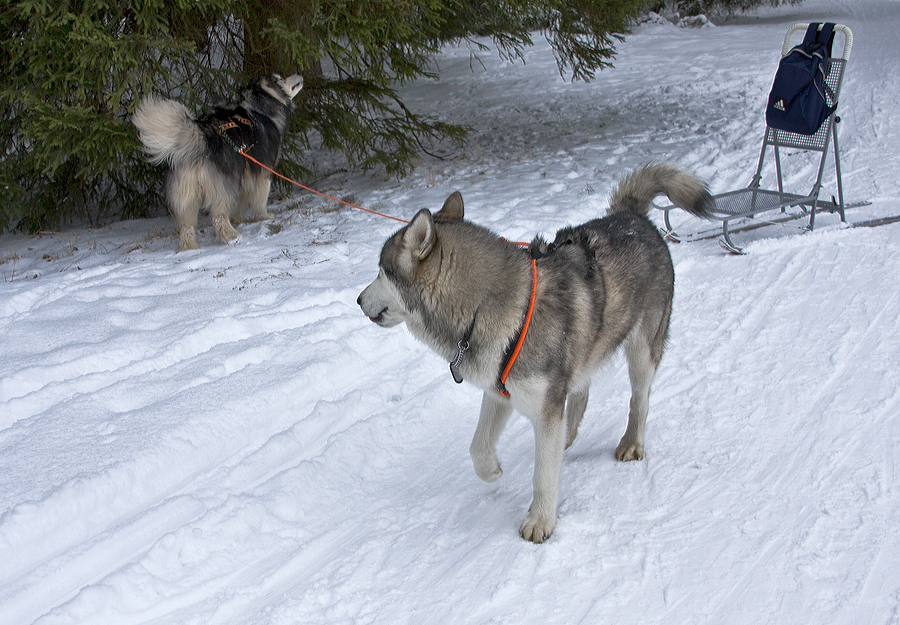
549 437
222 224
184 197
575 405
495 413
222 195
642 365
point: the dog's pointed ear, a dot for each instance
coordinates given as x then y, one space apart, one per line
452 210
419 235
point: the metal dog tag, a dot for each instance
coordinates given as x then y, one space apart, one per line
454 366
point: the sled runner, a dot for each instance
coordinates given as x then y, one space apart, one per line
752 201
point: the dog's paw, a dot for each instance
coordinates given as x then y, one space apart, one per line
570 437
224 230
263 216
487 469
537 529
187 240
628 450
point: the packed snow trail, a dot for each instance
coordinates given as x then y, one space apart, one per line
221 436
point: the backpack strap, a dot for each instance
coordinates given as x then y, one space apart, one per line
826 35
812 33
820 34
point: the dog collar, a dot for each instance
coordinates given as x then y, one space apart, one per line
512 352
515 346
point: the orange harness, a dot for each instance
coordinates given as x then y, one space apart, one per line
511 360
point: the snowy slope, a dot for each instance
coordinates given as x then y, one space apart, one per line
221 436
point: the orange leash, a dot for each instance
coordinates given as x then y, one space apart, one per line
501 381
325 195
294 182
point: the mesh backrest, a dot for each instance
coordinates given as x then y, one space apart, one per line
818 141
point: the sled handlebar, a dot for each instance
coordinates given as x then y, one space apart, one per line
848 38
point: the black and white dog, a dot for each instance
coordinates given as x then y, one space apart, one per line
206 169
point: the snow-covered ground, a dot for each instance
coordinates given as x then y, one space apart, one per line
221 436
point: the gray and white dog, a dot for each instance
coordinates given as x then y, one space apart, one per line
205 168
467 294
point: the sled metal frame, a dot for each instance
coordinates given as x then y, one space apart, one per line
751 201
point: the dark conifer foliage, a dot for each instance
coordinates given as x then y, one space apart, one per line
716 7
72 71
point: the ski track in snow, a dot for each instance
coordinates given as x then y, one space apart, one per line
221 437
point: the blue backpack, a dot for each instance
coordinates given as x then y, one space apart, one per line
797 101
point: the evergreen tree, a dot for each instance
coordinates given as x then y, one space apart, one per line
71 71
719 7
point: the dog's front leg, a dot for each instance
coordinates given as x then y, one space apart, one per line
549 439
495 412
255 193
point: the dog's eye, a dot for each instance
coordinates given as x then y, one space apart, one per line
389 274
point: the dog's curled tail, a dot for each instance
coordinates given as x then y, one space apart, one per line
684 189
168 132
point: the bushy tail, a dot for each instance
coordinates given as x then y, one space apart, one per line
683 188
168 132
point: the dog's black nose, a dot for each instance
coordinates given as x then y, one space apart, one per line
359 300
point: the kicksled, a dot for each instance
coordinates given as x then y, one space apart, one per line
800 117
753 223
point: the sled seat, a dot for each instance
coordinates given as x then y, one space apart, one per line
752 201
